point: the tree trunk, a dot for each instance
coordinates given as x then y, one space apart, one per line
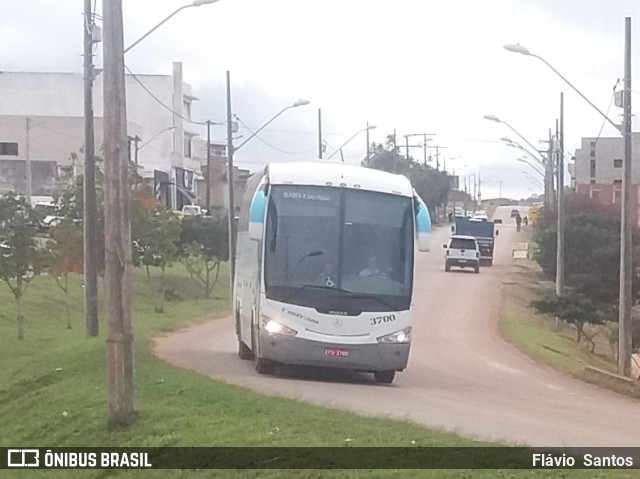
579 327
160 304
66 294
20 318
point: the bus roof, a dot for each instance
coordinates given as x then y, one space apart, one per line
324 173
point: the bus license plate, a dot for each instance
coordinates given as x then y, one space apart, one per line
338 352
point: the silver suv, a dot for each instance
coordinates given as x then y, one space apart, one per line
463 252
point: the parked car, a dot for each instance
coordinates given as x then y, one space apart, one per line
462 252
192 210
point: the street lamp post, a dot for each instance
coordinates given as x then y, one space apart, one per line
545 162
231 149
90 212
534 167
196 3
626 255
368 127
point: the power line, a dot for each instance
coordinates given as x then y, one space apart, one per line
160 101
270 145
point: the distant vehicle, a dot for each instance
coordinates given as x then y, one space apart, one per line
46 213
192 210
483 231
481 216
462 252
325 267
514 213
459 212
469 214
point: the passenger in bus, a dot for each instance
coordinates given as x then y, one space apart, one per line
373 269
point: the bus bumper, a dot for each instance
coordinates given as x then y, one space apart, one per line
306 352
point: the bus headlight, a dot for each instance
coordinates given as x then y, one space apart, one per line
273 327
402 336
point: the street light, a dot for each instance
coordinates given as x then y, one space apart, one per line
231 149
546 162
524 51
537 170
90 211
626 255
196 3
514 144
295 105
369 127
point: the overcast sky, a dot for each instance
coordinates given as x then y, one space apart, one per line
415 66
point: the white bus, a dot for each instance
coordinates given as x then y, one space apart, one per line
325 267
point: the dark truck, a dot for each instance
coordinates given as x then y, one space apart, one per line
483 231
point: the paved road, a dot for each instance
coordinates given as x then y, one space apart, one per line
462 376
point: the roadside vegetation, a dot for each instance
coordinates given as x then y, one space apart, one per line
583 339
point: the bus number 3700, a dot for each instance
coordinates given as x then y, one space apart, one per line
383 319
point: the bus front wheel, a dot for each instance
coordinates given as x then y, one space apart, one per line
264 366
384 377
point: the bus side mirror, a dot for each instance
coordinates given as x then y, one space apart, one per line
256 215
423 226
497 232
453 229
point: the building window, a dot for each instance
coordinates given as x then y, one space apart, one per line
187 147
593 168
593 181
9 149
617 163
617 196
592 149
595 194
617 182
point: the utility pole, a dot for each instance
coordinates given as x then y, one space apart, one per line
136 148
406 139
395 165
548 175
320 136
90 223
560 174
232 209
118 261
626 245
208 197
367 133
28 161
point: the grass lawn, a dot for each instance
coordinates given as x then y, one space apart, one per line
52 393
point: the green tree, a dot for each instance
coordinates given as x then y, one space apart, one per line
575 309
67 256
592 250
21 259
204 242
155 236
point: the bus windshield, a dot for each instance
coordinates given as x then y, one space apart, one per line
339 249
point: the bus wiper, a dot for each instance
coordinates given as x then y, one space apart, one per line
315 286
351 294
384 302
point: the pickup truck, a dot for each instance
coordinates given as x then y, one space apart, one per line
483 231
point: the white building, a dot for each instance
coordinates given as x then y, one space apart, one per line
158 122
